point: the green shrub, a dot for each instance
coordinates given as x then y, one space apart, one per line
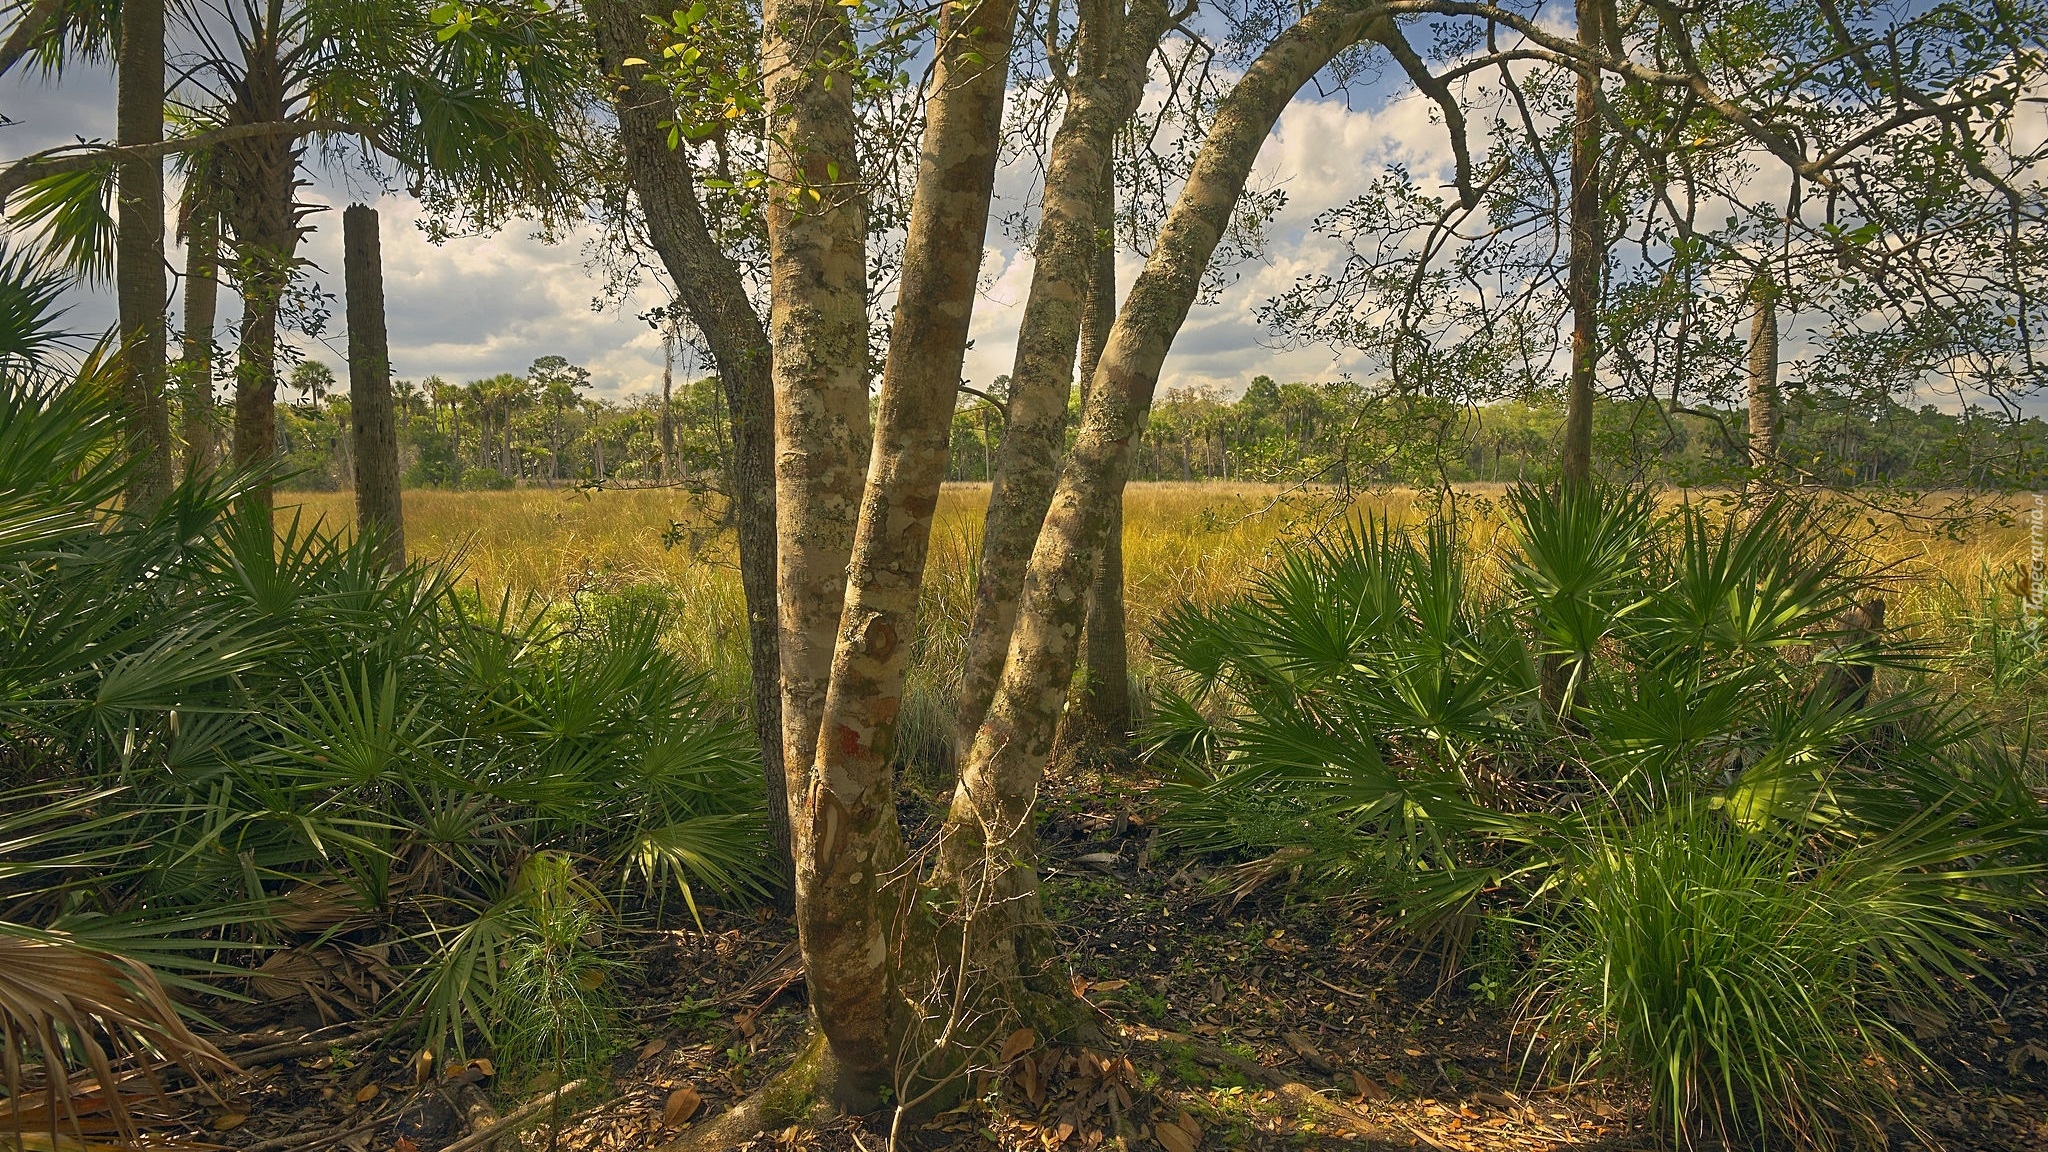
1755 986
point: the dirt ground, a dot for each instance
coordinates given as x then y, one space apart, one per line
1266 1022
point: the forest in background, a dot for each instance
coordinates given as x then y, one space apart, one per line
540 429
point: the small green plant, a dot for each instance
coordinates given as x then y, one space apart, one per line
1492 960
558 988
1753 984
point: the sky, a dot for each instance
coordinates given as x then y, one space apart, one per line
479 305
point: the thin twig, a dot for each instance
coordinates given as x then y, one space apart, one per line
484 1135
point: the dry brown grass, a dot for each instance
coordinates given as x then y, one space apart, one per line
1182 542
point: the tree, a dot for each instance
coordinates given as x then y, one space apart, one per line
1763 377
199 216
140 285
873 938
1587 258
380 510
1103 694
557 381
1103 82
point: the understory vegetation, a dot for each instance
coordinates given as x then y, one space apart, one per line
263 765
1651 740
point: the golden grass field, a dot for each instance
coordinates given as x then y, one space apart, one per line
1182 542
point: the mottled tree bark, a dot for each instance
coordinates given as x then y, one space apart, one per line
715 296
380 511
986 842
195 366
817 328
141 286
1588 255
1763 376
1103 689
1104 93
848 916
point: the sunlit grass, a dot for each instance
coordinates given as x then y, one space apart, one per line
1199 542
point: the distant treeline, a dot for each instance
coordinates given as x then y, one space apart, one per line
539 429
1351 433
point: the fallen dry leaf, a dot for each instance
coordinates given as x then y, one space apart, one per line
1367 1087
366 1093
1020 1042
682 1104
1174 1138
655 1047
229 1121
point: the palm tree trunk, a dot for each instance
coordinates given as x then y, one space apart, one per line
380 513
195 368
140 284
260 172
1588 254
1763 376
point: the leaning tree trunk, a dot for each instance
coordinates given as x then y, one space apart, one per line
985 848
1588 254
851 922
140 284
1103 690
380 513
1103 96
715 296
1763 376
195 367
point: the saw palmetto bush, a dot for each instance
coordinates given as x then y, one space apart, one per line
1576 729
261 761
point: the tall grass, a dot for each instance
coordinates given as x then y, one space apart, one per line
1948 578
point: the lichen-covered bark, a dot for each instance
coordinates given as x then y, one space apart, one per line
1587 257
1104 689
818 331
986 839
715 297
848 918
1763 376
141 287
1103 95
379 507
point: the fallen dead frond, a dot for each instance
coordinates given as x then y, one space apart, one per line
85 1033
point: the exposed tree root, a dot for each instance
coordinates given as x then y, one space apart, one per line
801 1093
1303 1097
